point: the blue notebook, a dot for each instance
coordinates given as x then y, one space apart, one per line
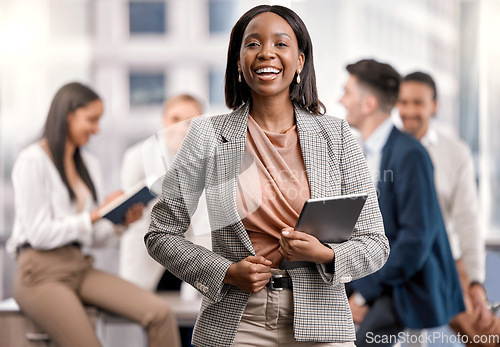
115 210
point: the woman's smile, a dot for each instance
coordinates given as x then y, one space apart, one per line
267 73
269 55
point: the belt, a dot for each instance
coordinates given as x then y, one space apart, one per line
26 246
288 265
280 282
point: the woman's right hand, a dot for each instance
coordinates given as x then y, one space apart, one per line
250 274
95 215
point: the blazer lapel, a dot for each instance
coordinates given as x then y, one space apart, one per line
230 150
315 153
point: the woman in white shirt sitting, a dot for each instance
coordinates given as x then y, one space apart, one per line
57 193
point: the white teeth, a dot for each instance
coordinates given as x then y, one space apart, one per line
267 70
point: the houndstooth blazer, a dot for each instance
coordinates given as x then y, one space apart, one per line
210 158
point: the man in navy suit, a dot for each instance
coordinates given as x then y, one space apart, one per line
418 287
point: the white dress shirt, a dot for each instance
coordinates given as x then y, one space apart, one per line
148 161
455 182
45 216
372 149
373 146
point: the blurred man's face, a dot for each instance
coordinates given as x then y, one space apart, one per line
353 101
180 111
416 105
176 120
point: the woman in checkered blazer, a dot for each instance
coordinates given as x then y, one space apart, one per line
264 283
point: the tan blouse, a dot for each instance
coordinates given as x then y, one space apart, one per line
272 187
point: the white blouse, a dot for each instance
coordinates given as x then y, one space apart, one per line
45 216
149 161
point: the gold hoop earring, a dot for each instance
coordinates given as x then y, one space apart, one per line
298 77
239 76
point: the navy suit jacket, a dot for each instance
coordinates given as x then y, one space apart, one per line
420 273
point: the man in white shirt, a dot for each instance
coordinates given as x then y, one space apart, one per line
455 183
148 160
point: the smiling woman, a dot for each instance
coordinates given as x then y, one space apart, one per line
264 281
269 57
293 39
84 122
57 195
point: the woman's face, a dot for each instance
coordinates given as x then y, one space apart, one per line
84 122
269 55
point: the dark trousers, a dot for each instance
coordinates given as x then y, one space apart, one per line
381 324
170 282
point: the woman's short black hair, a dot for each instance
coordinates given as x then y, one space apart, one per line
304 94
68 99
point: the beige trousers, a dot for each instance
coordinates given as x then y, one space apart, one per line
51 288
268 322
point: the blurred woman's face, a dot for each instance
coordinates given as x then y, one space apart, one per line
84 122
269 55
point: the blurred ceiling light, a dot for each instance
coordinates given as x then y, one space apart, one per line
21 28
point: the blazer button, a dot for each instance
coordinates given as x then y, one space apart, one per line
345 279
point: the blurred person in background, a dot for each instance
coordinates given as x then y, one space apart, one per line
148 160
57 189
455 182
264 283
418 287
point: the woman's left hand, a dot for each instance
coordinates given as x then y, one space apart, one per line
299 246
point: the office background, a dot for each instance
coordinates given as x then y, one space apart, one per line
137 53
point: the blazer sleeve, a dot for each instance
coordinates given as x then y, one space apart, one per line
368 248
419 222
171 217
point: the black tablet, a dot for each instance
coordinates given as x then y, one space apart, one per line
332 219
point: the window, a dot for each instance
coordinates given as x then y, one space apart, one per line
69 19
6 190
223 15
479 104
216 84
147 17
147 88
